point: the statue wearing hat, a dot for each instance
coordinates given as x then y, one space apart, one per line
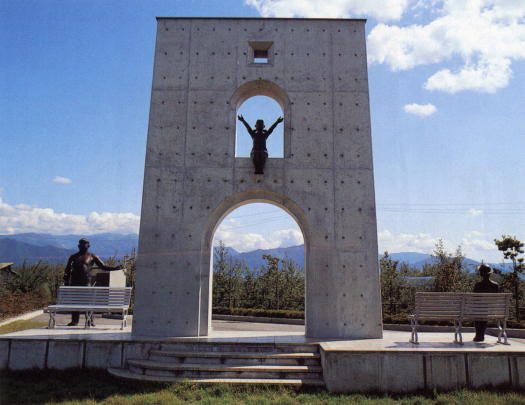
486 285
78 269
259 135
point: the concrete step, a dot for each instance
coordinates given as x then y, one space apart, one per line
236 358
156 365
238 355
252 347
126 374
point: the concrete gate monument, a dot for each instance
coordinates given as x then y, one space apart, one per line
204 69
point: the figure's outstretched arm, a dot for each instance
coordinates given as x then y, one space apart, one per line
102 266
248 128
277 122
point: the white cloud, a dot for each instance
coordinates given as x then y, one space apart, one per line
472 244
421 110
485 35
62 180
473 212
407 242
229 233
288 237
24 218
474 234
379 9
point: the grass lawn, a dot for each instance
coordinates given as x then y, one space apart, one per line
89 387
21 325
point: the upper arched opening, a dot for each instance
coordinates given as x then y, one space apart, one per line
260 108
260 88
261 100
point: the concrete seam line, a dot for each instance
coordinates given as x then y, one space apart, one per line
23 317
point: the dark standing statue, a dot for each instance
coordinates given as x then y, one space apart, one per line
78 268
486 285
259 135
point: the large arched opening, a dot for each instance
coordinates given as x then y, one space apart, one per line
255 210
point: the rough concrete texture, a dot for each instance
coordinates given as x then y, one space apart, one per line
481 370
4 354
399 372
445 371
63 355
103 354
203 72
25 355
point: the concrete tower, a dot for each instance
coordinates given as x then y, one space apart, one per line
205 68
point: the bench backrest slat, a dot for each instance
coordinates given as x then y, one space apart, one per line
481 305
103 296
438 305
435 305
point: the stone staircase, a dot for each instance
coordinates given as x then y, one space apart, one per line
212 362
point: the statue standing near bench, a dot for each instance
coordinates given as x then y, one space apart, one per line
259 135
486 285
78 269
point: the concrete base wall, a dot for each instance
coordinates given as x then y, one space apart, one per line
343 371
401 372
19 354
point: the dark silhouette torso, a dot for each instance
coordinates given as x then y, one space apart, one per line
259 140
81 265
486 286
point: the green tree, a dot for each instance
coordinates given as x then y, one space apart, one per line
227 278
448 270
220 271
512 248
390 282
293 280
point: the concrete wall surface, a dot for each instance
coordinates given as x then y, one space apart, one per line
400 372
343 371
203 72
19 354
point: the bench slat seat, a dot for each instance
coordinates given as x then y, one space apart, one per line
458 307
90 300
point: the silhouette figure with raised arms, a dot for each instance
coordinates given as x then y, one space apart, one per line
259 136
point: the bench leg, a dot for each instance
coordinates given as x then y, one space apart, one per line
458 337
51 324
502 331
459 331
89 320
413 335
124 322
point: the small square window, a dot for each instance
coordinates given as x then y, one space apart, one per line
260 56
260 52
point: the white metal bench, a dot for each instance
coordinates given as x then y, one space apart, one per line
458 307
91 300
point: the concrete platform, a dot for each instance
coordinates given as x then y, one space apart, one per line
391 364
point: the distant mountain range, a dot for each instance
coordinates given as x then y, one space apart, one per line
57 248
33 247
254 259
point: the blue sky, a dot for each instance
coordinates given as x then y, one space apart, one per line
447 85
